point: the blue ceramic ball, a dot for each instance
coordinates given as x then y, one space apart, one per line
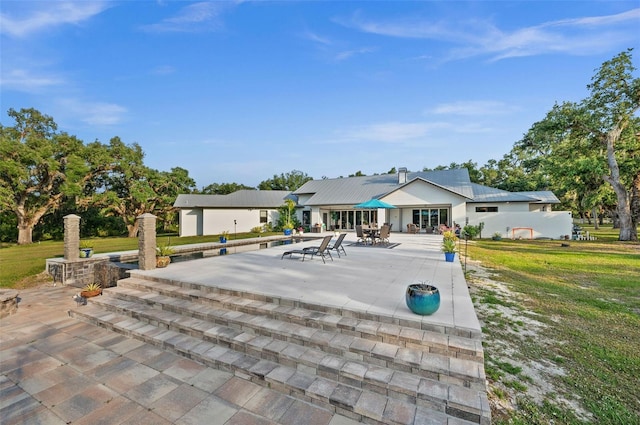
422 298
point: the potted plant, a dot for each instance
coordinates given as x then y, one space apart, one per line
422 298
300 230
497 236
224 236
91 290
287 228
163 253
86 249
448 246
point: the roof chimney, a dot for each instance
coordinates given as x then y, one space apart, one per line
402 175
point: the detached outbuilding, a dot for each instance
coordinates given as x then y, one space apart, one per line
240 211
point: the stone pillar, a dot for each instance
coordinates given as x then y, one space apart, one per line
71 237
146 241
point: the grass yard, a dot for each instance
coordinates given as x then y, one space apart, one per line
22 266
562 334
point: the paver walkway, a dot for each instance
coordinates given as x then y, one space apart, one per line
57 370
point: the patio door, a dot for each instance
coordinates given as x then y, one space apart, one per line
429 219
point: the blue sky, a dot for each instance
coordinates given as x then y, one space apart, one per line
240 91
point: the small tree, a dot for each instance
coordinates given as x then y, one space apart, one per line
287 216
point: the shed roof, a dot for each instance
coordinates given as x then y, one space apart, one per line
238 199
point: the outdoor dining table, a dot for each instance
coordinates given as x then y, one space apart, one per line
371 232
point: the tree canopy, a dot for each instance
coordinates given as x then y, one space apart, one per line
285 181
39 168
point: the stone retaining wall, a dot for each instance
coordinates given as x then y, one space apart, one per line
8 302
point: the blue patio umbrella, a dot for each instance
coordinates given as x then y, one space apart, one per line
372 204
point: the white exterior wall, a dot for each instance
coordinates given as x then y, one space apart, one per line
423 195
198 221
190 221
551 224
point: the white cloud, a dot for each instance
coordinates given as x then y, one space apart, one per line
163 70
309 35
388 132
22 80
39 16
196 17
95 113
350 53
473 108
576 36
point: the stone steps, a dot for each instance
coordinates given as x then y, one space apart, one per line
319 316
410 350
371 372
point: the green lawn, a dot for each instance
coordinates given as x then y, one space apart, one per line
587 296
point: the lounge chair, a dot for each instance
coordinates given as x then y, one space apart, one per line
337 246
322 250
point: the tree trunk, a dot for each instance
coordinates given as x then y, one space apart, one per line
133 229
628 230
25 234
595 218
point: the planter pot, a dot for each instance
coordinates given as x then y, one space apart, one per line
223 239
422 299
449 256
287 232
86 252
162 262
89 294
496 238
223 251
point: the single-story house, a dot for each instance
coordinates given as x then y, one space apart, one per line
426 199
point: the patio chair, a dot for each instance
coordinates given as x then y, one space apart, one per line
412 228
362 238
337 246
383 236
322 250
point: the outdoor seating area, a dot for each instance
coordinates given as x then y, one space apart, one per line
369 235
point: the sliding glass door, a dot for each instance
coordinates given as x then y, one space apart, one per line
429 219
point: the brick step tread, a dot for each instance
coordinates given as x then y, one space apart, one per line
404 401
439 343
196 318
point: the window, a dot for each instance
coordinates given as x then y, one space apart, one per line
263 216
486 209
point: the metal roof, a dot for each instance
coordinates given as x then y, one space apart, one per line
354 190
542 196
489 194
239 199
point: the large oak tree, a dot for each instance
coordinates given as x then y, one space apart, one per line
38 168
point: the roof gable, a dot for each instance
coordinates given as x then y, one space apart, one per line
354 190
